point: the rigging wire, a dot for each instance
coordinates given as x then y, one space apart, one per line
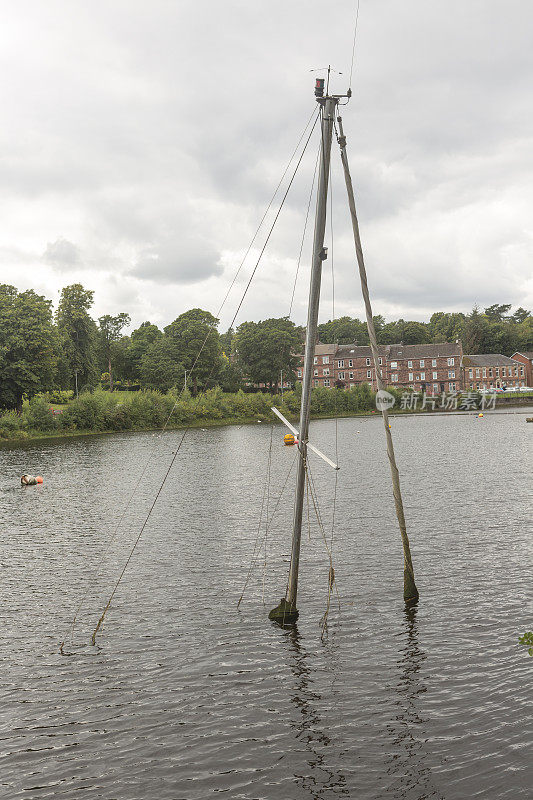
127 505
304 232
353 47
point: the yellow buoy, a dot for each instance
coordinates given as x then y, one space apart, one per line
480 415
288 438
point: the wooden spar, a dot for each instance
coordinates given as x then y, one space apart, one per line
410 592
287 611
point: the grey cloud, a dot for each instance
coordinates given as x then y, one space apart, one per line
186 259
62 254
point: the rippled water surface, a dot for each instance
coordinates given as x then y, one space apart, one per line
185 697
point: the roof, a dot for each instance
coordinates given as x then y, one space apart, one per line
526 353
399 352
488 360
325 349
357 351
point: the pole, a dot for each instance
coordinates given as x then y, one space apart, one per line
287 611
410 592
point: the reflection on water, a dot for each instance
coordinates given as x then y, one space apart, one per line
320 781
410 760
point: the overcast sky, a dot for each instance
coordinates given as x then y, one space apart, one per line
142 141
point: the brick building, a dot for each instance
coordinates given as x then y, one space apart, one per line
492 371
433 368
527 360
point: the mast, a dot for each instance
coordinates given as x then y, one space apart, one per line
287 611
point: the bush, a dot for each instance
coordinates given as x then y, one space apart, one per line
39 415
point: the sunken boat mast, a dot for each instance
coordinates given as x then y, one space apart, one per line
286 611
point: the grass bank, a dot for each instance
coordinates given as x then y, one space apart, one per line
105 412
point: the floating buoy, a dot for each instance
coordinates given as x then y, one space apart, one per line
30 480
480 415
289 439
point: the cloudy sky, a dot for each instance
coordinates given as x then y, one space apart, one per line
141 143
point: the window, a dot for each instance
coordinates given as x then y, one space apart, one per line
451 386
435 376
497 372
369 373
341 376
394 365
315 360
315 372
451 373
410 376
451 362
484 372
470 373
478 373
380 360
368 362
422 376
490 372
325 360
350 363
299 373
340 363
503 372
410 364
394 378
421 362
433 362
351 376
521 372
326 371
435 388
326 382
316 383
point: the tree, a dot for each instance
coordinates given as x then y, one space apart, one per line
160 367
140 342
444 327
477 338
197 344
27 345
520 315
77 336
496 313
110 330
344 330
265 348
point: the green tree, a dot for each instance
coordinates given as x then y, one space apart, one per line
520 315
160 367
265 348
496 313
110 332
477 333
27 345
344 330
445 327
77 337
197 345
140 341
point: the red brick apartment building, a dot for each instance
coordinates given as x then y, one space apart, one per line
430 368
493 371
527 360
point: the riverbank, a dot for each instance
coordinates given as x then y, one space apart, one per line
102 413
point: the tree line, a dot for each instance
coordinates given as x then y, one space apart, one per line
42 351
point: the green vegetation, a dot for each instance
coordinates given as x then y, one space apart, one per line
527 641
71 353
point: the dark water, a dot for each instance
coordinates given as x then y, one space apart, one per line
184 697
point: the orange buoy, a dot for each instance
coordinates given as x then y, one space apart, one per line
289 439
39 479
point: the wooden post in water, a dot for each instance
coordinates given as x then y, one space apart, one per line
410 592
287 612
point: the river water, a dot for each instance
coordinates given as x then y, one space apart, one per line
185 697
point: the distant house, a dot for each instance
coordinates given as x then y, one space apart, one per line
492 371
527 360
430 368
